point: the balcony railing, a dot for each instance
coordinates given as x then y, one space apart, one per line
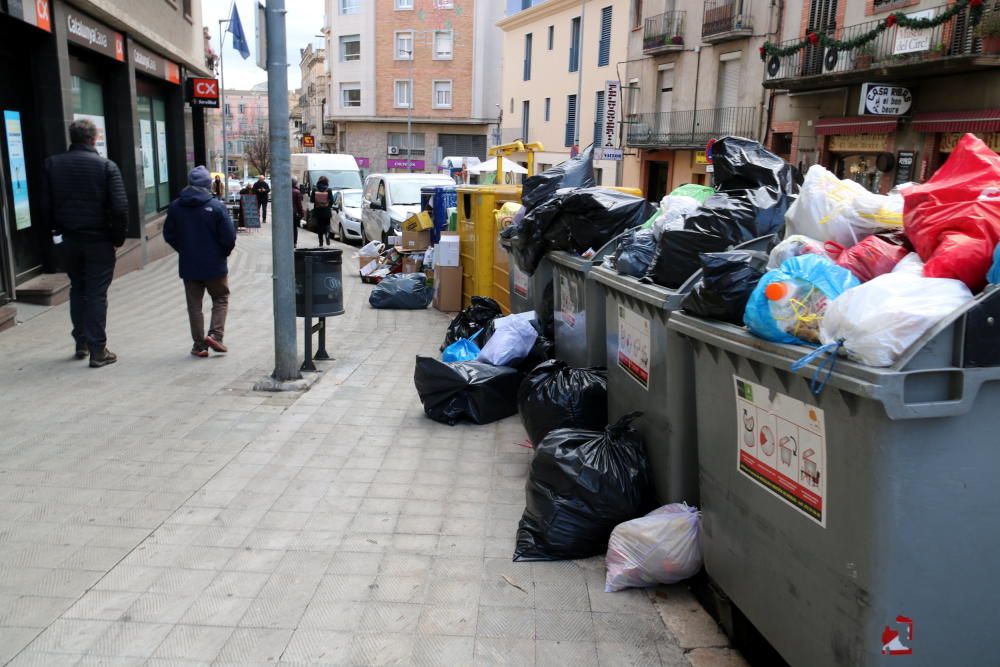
726 19
929 51
690 129
663 32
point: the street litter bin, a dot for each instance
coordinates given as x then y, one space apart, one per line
323 266
861 523
438 199
477 233
526 291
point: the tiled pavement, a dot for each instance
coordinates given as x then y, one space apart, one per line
157 512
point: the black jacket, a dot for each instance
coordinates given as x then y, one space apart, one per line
83 196
199 228
323 215
261 189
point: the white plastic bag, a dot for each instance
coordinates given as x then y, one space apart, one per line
512 340
659 548
830 209
673 210
880 319
373 248
793 246
911 264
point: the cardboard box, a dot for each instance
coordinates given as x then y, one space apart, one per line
448 288
413 262
416 240
447 251
418 222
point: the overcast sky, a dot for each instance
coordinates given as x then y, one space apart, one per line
304 20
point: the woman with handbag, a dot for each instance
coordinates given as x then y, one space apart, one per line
322 212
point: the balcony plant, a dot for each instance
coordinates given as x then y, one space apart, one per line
863 56
936 51
677 40
988 31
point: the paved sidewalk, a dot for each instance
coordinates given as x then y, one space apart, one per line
158 512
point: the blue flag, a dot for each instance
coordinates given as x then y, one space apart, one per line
239 38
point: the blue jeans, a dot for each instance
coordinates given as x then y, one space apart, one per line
91 266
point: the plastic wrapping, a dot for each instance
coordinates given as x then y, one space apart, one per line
728 279
794 246
402 291
635 253
792 310
464 349
659 548
911 264
878 321
692 190
473 319
582 484
512 340
469 391
577 172
673 210
554 395
677 255
872 257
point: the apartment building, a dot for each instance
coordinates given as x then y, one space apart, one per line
245 113
312 101
412 81
559 56
889 108
693 75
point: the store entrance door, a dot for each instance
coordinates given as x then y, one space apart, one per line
657 180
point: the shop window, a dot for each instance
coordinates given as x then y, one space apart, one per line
153 141
399 140
88 103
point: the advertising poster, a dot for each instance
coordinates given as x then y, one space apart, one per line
18 169
781 446
161 150
633 345
568 298
146 140
102 142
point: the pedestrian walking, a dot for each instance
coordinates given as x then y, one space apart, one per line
199 228
263 192
298 211
321 211
84 202
218 189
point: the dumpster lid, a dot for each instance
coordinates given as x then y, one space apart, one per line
650 293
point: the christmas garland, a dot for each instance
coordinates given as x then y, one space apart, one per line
895 19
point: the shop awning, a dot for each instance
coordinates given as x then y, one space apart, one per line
983 120
856 125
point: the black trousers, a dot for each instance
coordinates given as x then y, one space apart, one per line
296 220
91 266
262 206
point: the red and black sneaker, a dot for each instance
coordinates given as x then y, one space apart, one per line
216 344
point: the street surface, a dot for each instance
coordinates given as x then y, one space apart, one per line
159 512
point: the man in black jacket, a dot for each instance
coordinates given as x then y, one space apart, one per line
84 201
263 192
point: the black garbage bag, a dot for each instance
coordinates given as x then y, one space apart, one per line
582 484
728 279
593 216
478 316
744 164
543 350
729 216
677 255
635 253
402 291
466 391
577 172
554 395
528 240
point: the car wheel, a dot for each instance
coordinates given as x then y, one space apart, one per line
341 236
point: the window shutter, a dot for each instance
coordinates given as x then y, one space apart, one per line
570 119
729 84
527 57
604 49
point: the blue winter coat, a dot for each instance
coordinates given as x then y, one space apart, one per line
199 228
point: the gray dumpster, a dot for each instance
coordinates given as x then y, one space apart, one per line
578 308
863 520
527 291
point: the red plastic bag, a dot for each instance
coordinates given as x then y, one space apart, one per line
952 219
871 257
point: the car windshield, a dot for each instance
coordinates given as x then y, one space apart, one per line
408 192
339 180
352 200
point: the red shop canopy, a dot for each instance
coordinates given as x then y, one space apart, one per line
856 125
983 120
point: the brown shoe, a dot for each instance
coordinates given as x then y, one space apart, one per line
81 353
215 344
103 358
199 351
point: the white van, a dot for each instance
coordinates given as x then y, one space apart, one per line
340 169
389 199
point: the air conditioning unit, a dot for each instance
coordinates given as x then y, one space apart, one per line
393 150
837 61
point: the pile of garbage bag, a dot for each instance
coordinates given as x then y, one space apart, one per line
659 548
466 391
471 320
554 395
635 253
402 291
727 281
577 172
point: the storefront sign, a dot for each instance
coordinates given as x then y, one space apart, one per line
905 162
308 141
857 143
633 345
102 140
148 62
781 446
200 92
615 154
363 162
34 12
880 99
700 157
397 163
609 132
913 41
948 141
96 36
18 169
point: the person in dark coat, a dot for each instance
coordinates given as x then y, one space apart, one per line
298 210
263 192
84 202
218 189
322 211
199 228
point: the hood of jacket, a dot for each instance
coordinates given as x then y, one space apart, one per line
193 196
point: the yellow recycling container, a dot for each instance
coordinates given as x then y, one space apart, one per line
477 227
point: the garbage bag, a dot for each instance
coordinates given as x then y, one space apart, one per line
528 240
464 349
555 395
677 255
471 320
993 277
635 253
590 217
953 220
577 172
728 279
830 209
732 217
512 340
793 246
789 302
879 320
467 391
744 164
543 350
911 264
673 210
402 291
659 548
872 257
582 484
694 191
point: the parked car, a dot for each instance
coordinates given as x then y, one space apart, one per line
389 199
340 170
233 189
346 221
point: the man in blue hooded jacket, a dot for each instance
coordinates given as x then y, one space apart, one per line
199 228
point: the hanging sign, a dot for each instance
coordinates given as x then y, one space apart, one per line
909 40
905 161
882 99
609 129
308 141
200 92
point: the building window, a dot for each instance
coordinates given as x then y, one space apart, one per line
187 8
403 98
527 57
443 44
636 13
350 6
574 45
525 116
442 94
552 36
399 140
242 108
153 142
728 87
666 88
350 48
604 47
404 4
445 4
570 119
633 96
404 45
547 109
350 95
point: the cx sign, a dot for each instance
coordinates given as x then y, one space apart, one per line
202 92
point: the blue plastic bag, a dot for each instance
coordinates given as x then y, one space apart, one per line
463 349
993 277
788 303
